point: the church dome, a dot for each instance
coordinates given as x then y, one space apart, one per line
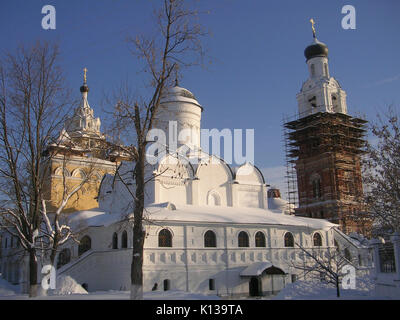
317 49
179 94
84 88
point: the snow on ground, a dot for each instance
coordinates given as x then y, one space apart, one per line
68 289
67 285
117 295
7 289
316 290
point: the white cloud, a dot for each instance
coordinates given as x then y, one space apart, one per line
383 81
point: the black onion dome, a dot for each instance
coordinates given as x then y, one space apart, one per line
317 49
84 88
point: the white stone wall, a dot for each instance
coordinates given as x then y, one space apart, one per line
188 265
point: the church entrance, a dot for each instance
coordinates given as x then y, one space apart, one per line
255 287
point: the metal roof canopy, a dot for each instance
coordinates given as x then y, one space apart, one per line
257 268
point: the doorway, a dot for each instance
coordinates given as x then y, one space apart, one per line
255 288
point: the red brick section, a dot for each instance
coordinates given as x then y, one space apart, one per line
326 149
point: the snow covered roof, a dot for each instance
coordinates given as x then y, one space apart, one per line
256 269
179 94
201 214
92 218
234 215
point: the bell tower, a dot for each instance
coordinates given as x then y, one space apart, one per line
325 147
80 155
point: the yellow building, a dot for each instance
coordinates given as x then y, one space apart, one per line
80 158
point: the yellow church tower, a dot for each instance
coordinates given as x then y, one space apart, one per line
80 158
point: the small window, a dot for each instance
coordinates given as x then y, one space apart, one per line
326 70
312 70
167 284
260 239
211 284
243 239
294 278
124 240
317 240
165 238
115 241
289 240
84 245
316 188
210 240
64 257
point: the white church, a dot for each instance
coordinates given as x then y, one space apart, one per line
210 228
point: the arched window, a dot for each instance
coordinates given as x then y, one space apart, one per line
115 241
210 240
84 245
167 284
312 70
313 101
260 239
165 238
326 70
243 239
64 257
335 102
289 240
317 240
124 239
316 187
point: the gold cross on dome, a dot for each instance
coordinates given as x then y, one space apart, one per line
312 26
84 74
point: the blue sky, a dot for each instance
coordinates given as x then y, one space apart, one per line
256 48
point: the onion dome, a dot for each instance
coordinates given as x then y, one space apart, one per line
84 87
317 49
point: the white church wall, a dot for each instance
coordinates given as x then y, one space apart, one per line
188 265
216 178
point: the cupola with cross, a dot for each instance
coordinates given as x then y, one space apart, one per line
320 92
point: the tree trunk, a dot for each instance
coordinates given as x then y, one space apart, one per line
33 269
138 233
338 289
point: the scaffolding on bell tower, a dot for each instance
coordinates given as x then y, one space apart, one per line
290 172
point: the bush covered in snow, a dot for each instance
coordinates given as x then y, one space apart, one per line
67 285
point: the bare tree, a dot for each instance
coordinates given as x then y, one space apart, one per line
33 99
177 41
323 265
56 226
382 173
